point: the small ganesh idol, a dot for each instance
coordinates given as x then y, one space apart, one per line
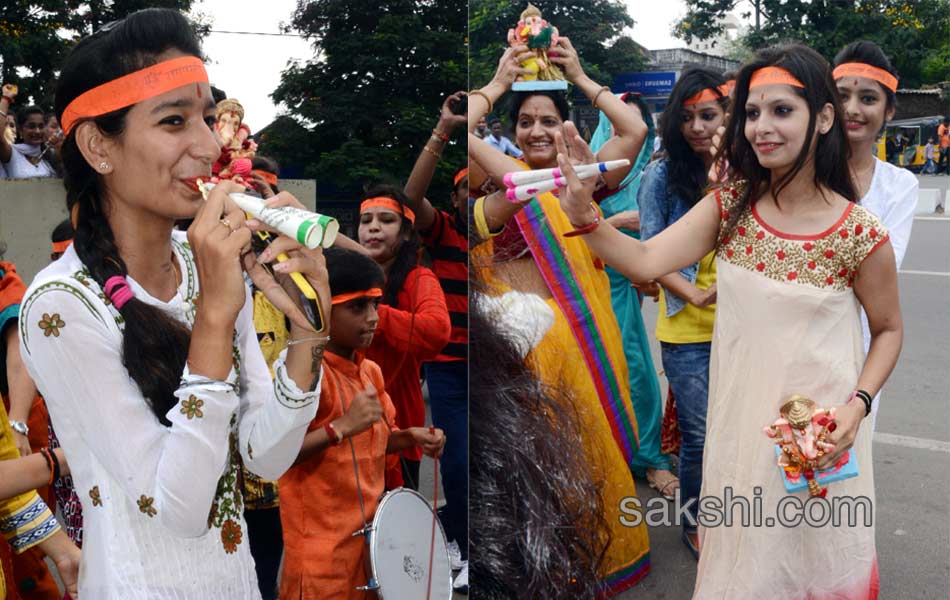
237 149
800 435
540 37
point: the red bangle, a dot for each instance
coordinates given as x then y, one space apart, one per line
440 135
585 228
331 432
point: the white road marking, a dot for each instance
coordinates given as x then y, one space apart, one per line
911 442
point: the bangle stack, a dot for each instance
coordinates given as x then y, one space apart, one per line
440 136
866 398
437 155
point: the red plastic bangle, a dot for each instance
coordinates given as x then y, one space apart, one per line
586 228
440 135
334 438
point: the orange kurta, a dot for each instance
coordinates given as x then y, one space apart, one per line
319 503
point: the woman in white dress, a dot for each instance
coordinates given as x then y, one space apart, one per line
141 338
867 85
796 259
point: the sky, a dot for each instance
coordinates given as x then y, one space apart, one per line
248 67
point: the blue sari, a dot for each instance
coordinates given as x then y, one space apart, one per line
625 300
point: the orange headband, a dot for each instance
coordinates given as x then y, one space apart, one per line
864 70
459 176
267 175
704 96
370 293
727 87
773 75
61 247
133 88
388 204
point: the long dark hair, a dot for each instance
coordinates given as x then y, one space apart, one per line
45 150
831 153
407 254
154 344
870 53
538 525
687 174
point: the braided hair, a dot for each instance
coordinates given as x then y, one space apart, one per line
155 345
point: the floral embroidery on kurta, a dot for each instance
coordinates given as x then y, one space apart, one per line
146 505
51 324
826 260
192 407
94 494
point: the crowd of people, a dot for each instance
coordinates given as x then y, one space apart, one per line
771 235
201 431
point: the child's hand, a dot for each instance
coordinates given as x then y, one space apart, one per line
431 440
364 411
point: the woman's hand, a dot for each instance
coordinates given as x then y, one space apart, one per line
258 182
566 57
509 66
218 238
848 419
576 198
448 120
431 440
280 289
626 219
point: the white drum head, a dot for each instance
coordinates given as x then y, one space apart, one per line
399 549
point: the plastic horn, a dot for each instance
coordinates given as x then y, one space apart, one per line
526 192
309 228
583 171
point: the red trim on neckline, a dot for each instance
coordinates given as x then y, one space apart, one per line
793 236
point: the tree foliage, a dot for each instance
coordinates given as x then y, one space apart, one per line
366 103
914 34
35 37
595 28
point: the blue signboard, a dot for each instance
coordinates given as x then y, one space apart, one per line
647 84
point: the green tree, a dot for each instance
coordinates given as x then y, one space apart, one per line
595 28
914 34
36 35
369 98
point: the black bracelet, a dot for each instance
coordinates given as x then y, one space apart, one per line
867 399
48 457
56 469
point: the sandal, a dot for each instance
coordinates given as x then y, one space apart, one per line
662 485
693 548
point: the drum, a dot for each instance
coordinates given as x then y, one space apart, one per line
399 542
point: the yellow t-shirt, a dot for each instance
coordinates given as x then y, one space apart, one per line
690 325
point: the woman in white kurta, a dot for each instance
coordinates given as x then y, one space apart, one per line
794 267
867 84
141 339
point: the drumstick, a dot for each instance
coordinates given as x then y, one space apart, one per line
517 178
435 503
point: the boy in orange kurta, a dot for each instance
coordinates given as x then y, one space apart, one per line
319 495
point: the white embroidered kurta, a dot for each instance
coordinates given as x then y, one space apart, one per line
892 198
162 506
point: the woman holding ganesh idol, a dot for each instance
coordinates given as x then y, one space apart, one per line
523 249
141 338
796 260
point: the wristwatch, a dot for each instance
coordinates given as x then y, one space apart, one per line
19 427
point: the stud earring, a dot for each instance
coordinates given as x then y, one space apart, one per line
103 166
